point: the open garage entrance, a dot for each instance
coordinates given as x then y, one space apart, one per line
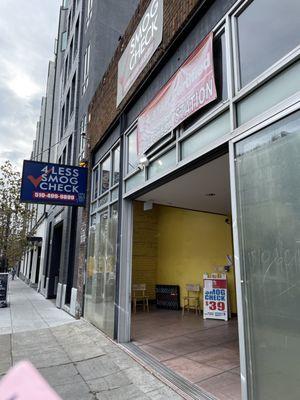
182 233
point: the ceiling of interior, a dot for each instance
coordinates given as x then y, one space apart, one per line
191 190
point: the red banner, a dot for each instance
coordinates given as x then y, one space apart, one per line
189 89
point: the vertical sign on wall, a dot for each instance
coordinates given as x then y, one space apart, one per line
215 297
142 45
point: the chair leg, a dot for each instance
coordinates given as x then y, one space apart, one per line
147 305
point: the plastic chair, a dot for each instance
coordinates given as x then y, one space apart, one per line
192 300
139 297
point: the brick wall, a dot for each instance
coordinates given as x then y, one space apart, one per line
144 247
103 109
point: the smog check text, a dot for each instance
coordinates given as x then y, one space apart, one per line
59 179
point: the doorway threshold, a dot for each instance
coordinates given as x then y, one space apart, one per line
185 388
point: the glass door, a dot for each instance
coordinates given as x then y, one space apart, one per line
267 183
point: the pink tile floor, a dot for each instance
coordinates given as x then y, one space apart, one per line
203 351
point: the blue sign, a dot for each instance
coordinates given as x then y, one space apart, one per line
48 183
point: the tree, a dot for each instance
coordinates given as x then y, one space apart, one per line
14 217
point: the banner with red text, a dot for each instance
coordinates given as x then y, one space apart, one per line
189 89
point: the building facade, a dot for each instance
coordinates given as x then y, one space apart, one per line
88 34
31 265
230 150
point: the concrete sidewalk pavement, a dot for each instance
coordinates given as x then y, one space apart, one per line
77 360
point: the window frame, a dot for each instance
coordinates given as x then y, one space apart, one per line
86 67
95 206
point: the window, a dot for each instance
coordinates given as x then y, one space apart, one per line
95 182
70 142
267 171
267 30
55 46
66 71
132 156
76 36
105 175
116 165
73 9
83 126
69 24
67 109
89 11
63 158
64 41
86 66
73 94
62 121
71 55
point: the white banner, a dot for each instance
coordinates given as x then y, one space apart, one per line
144 42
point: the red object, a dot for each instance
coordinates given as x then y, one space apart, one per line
219 284
189 89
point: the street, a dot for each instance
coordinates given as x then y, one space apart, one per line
76 359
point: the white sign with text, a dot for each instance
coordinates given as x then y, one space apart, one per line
141 47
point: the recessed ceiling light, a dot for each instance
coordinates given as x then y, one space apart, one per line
210 194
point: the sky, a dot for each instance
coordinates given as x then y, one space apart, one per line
28 30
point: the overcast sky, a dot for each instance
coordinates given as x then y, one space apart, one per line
28 29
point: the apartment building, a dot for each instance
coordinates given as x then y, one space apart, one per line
88 33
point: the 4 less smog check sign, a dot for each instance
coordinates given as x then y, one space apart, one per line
49 183
189 89
141 47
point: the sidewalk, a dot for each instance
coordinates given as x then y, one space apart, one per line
77 360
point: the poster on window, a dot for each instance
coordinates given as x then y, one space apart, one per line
189 89
215 297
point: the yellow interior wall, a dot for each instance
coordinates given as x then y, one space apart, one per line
144 250
176 246
191 243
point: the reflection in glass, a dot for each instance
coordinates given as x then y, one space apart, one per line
105 175
95 182
206 135
267 30
116 165
268 197
162 164
101 271
132 151
103 200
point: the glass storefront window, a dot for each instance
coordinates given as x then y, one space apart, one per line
132 157
135 180
103 200
99 307
95 182
271 93
267 167
105 175
267 30
206 135
101 271
162 164
116 165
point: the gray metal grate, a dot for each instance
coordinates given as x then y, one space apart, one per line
184 385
